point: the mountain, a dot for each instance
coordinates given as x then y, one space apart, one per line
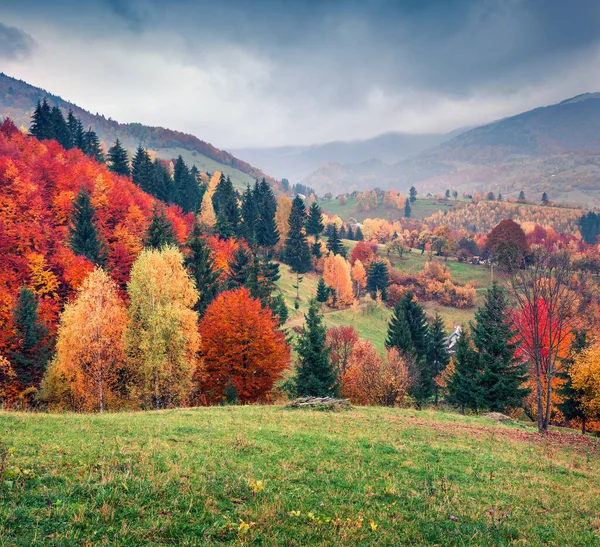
554 149
18 99
297 162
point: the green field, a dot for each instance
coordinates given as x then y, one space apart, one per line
422 208
365 477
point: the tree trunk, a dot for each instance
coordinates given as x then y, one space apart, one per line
583 425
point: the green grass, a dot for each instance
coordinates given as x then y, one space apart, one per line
364 477
422 208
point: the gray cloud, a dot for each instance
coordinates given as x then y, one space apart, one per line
15 44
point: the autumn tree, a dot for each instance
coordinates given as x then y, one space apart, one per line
89 366
341 341
207 212
241 347
31 352
336 274
585 378
282 215
359 276
162 336
83 234
508 244
316 375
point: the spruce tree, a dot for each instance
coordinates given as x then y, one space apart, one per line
334 244
413 194
267 234
75 130
201 266
297 252
41 122
350 234
407 209
502 375
83 235
249 216
437 350
91 146
142 172
463 386
60 128
398 334
160 232
31 352
545 199
118 159
358 235
521 196
322 291
417 323
314 222
225 203
316 376
378 279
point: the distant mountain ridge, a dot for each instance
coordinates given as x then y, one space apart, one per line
555 149
18 98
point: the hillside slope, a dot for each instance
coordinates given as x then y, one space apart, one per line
555 149
18 99
257 475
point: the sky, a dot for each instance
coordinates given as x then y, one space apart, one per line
262 73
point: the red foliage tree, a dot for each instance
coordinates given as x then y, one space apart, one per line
365 252
341 340
241 346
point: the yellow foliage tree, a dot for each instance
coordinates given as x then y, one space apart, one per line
90 356
336 274
359 276
585 376
162 338
42 280
282 215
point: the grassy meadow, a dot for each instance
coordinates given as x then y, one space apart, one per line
279 477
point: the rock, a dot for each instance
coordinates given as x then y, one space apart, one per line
499 417
320 403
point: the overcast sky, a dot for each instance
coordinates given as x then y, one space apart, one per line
269 72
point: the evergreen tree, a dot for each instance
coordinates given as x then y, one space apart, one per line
243 271
407 209
225 203
75 130
413 194
589 226
350 234
322 291
501 374
60 128
334 243
398 334
316 376
297 252
91 146
118 159
31 351
358 235
160 231
41 122
545 199
267 234
571 398
314 222
249 216
521 196
378 279
437 350
201 266
463 386
142 172
83 235
163 187
187 192
342 232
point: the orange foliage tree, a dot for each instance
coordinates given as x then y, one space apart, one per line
341 341
241 347
336 274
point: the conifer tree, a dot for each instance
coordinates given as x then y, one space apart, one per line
201 267
463 385
162 183
314 222
225 203
350 234
118 159
407 208
378 279
60 129
316 376
399 335
31 352
91 146
545 199
75 130
142 171
521 196
297 252
267 234
83 235
358 235
417 323
160 232
437 350
249 216
322 291
502 376
334 244
41 122
413 194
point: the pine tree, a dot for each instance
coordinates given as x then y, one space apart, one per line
91 146
334 244
249 216
142 172
407 209
201 267
41 122
358 235
118 159
463 385
378 279
225 203
398 335
314 222
413 194
160 232
545 199
571 405
162 183
322 291
243 271
31 351
316 376
75 130
501 374
267 234
350 234
187 190
521 196
83 235
60 128
297 252
437 350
